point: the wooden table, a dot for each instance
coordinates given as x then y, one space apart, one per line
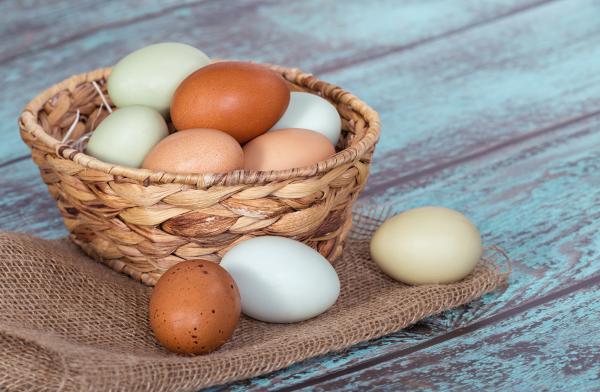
488 107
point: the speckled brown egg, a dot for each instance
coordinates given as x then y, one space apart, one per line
196 151
243 99
195 307
287 149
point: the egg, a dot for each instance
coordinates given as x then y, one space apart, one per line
242 99
196 151
281 280
286 149
312 112
150 75
427 245
194 307
126 135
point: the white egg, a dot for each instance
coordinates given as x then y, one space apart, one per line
150 75
311 112
127 135
427 245
281 280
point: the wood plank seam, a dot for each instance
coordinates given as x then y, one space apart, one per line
113 25
396 49
15 160
537 302
322 70
373 189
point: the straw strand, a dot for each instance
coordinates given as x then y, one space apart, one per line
141 222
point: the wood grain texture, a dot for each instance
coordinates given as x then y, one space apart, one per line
31 26
454 100
553 347
27 205
316 36
491 109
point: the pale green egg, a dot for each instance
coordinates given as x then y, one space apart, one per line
127 135
149 76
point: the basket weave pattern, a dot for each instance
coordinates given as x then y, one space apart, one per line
141 222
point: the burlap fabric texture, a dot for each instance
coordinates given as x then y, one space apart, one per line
68 323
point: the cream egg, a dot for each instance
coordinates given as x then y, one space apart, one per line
127 135
427 245
150 75
309 111
281 280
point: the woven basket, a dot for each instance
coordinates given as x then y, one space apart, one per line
142 222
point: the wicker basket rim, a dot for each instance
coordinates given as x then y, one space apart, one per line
28 122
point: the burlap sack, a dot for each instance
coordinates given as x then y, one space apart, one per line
68 323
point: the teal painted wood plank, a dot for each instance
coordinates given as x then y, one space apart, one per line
30 26
317 36
554 347
537 199
354 22
28 207
455 99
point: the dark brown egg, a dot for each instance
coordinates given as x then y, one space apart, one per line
243 99
195 307
196 151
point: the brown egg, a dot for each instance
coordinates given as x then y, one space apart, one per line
243 99
195 307
286 149
196 151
